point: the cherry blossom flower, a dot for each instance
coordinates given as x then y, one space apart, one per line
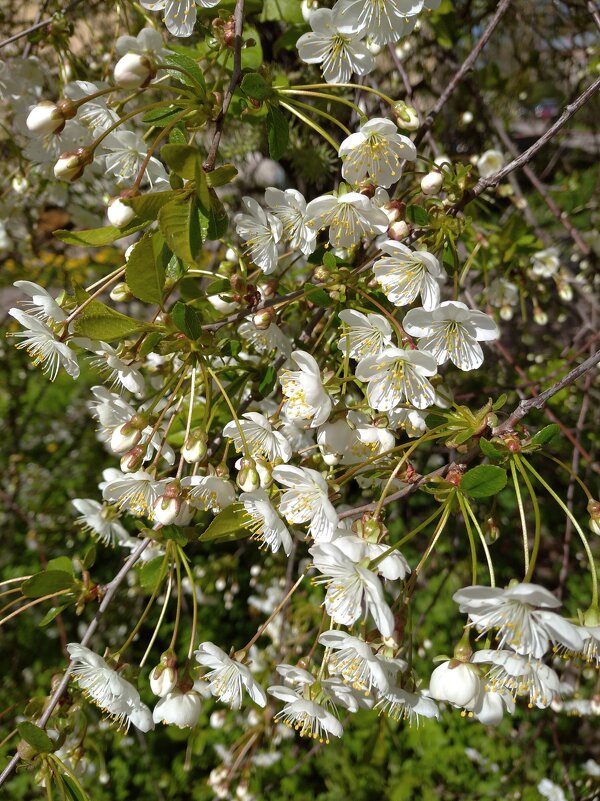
340 54
355 661
117 371
307 717
366 334
519 676
375 152
266 340
101 520
228 678
349 217
43 346
404 274
393 567
177 708
452 331
126 152
42 305
383 21
305 397
490 162
545 263
266 525
396 375
399 704
209 492
307 500
261 232
107 689
353 439
456 682
135 492
180 15
260 437
520 614
289 206
350 588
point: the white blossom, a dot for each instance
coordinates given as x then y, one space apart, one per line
452 331
354 659
456 682
349 217
228 678
261 438
42 305
545 263
405 274
400 704
264 522
383 21
43 347
261 231
519 676
375 152
305 397
398 375
306 499
289 206
365 334
180 15
135 492
101 520
490 162
209 492
177 708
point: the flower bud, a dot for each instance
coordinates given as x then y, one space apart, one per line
458 683
45 118
432 183
133 459
133 71
406 116
163 679
263 319
265 473
248 479
70 166
593 508
121 293
398 230
125 437
194 448
118 213
181 709
168 505
540 316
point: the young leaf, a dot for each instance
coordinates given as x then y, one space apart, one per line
317 295
145 270
489 449
195 76
267 382
149 573
254 85
147 206
98 321
97 237
483 481
187 319
545 434
221 176
182 159
178 220
35 737
227 525
47 582
278 132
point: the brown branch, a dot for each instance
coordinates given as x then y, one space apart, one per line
539 401
463 70
527 155
236 74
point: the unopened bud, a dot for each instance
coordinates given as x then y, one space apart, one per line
540 316
248 479
134 70
263 319
125 437
194 448
593 508
398 230
133 459
121 293
70 166
166 509
406 116
492 532
163 679
45 118
366 188
119 214
432 183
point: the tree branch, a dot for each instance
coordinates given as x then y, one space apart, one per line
238 27
540 400
463 70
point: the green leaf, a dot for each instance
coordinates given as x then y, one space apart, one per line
180 224
187 319
177 137
317 295
228 525
202 190
489 449
47 582
417 214
545 434
98 321
97 237
213 222
267 382
147 206
254 85
161 117
278 132
219 286
61 563
329 260
231 347
51 614
35 737
149 573
483 481
150 343
221 176
74 791
145 270
189 65
499 402
182 159
89 557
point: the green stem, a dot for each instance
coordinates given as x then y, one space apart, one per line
161 617
576 526
178 609
321 113
232 410
324 96
571 472
513 473
467 522
370 89
484 544
536 514
190 575
312 125
406 538
161 576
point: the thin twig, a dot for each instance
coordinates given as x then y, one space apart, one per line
238 26
463 70
36 26
539 401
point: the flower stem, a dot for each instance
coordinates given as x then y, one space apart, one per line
190 575
484 544
465 514
311 124
321 113
513 473
536 513
232 410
